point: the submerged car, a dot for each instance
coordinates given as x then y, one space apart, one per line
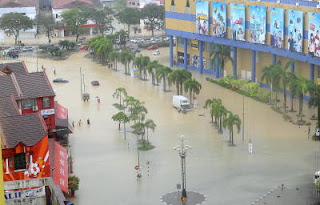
60 80
156 52
95 83
27 48
153 47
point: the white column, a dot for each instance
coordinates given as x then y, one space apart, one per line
7 166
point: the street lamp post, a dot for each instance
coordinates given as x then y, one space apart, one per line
182 149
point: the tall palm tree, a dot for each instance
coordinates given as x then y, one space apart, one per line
130 56
137 61
192 86
284 76
121 117
212 103
162 72
314 101
151 68
229 122
222 113
114 57
222 54
271 74
177 77
150 125
302 86
120 93
144 62
292 87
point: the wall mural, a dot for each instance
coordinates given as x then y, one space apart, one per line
237 21
202 17
277 27
314 34
258 19
219 19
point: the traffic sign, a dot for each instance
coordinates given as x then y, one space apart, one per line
137 167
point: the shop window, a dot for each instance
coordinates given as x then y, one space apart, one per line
28 104
20 161
188 7
46 102
172 7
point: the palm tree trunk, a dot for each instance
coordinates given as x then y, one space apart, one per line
148 135
119 125
292 98
284 100
152 77
177 87
231 136
164 84
276 100
125 133
212 118
271 93
181 88
190 97
300 105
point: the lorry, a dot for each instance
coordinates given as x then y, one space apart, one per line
180 102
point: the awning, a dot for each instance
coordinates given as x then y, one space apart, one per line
62 123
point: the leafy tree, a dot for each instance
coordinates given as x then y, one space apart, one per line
162 73
141 62
48 23
178 77
271 74
120 93
129 16
229 122
125 58
102 47
151 67
222 53
149 124
102 17
121 117
73 184
213 103
314 101
74 19
121 4
114 57
153 15
122 36
13 23
285 78
192 86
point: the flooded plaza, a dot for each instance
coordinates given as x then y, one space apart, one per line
104 161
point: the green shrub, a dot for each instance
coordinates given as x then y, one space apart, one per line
286 117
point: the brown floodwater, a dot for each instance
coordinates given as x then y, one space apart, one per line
104 160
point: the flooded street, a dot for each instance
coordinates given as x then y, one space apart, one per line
104 161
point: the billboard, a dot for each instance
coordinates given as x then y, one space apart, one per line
295 30
60 173
219 19
238 21
314 34
202 17
258 19
277 27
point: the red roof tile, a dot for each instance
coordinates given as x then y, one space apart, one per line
70 4
19 67
8 106
17 3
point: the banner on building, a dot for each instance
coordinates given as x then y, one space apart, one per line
202 17
314 34
62 112
219 19
23 194
238 21
295 30
194 44
60 172
277 27
258 22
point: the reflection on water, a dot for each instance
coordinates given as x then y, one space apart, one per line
105 162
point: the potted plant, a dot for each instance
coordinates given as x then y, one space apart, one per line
73 184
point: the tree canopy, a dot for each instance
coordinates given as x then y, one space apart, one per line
74 19
153 15
102 17
48 23
129 16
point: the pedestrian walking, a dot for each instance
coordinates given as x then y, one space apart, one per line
72 123
54 71
79 123
98 99
309 130
88 121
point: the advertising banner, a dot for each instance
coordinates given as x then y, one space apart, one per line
295 30
22 194
238 21
202 17
314 34
219 19
258 18
60 173
277 27
194 44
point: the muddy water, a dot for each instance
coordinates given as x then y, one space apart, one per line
105 161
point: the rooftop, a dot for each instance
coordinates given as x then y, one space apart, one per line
8 106
69 4
19 68
17 3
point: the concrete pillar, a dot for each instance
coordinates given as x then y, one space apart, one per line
171 50
201 56
235 58
185 55
273 59
311 74
292 67
253 66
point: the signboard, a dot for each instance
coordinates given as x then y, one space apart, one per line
194 44
62 112
237 21
258 17
314 34
295 30
219 19
47 112
202 17
277 27
23 194
60 173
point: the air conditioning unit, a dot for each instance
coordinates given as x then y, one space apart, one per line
35 108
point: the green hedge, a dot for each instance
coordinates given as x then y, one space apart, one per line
160 44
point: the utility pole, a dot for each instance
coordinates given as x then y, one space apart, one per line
243 117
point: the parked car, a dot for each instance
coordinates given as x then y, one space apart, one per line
156 52
81 38
153 47
27 48
95 83
135 50
60 80
83 47
13 54
133 41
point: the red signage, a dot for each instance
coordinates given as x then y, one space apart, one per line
61 112
137 167
60 172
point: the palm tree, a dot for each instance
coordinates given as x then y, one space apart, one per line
121 117
301 85
178 77
230 121
162 72
222 113
314 101
140 129
144 62
292 87
284 76
102 46
212 103
150 125
151 67
114 57
137 61
120 93
125 58
222 54
271 75
193 87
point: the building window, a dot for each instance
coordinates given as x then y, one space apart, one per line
46 102
20 161
172 7
57 16
133 3
180 41
28 104
138 4
188 7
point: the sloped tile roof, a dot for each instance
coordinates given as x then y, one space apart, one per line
7 87
18 67
27 129
17 3
8 106
70 4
